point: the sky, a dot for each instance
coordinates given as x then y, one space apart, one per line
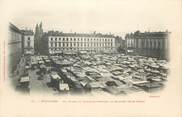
85 16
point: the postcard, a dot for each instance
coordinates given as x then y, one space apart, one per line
86 58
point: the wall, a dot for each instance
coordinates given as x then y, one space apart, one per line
14 50
30 49
80 43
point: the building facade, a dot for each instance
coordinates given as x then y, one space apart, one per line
37 38
73 42
14 47
28 42
153 44
120 44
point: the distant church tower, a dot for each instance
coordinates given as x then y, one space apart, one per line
38 36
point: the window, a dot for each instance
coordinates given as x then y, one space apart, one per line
28 43
63 39
150 43
51 44
159 45
55 39
70 39
28 38
66 39
74 39
55 44
51 39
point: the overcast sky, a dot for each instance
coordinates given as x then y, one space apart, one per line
106 16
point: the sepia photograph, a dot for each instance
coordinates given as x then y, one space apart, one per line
123 52
56 62
87 55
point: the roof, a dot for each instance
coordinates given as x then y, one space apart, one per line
63 86
138 82
12 27
139 34
27 32
96 85
52 33
55 76
151 85
25 79
84 83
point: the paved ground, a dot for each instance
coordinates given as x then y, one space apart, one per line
39 86
18 72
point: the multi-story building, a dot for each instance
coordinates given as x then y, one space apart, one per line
72 42
37 38
14 47
120 44
28 42
153 44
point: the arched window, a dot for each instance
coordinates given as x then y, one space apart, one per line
154 44
55 44
159 45
51 44
162 44
28 43
28 38
150 40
